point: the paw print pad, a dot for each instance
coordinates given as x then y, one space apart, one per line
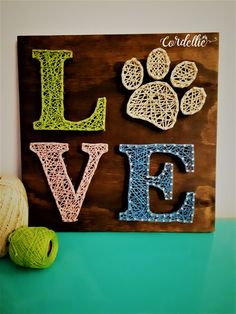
132 74
157 102
158 64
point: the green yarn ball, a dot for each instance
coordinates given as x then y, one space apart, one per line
34 247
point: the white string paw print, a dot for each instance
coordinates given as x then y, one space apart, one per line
157 102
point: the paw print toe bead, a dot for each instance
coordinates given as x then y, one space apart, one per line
132 74
193 100
184 74
158 63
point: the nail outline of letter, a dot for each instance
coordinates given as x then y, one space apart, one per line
58 178
52 96
138 208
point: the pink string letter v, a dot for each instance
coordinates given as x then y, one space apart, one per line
68 202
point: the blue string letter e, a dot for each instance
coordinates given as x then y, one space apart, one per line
140 181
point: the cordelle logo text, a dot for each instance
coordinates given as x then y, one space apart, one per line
199 40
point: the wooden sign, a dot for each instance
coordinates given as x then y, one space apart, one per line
118 132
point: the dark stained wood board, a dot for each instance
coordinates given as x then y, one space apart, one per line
95 72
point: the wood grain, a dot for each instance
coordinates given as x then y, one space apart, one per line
94 72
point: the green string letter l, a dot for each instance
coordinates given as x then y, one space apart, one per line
52 93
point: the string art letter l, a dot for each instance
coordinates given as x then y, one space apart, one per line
52 96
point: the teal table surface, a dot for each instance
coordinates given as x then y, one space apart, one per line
128 273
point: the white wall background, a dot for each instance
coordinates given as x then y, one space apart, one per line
112 17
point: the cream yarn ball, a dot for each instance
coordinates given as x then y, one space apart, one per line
13 209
